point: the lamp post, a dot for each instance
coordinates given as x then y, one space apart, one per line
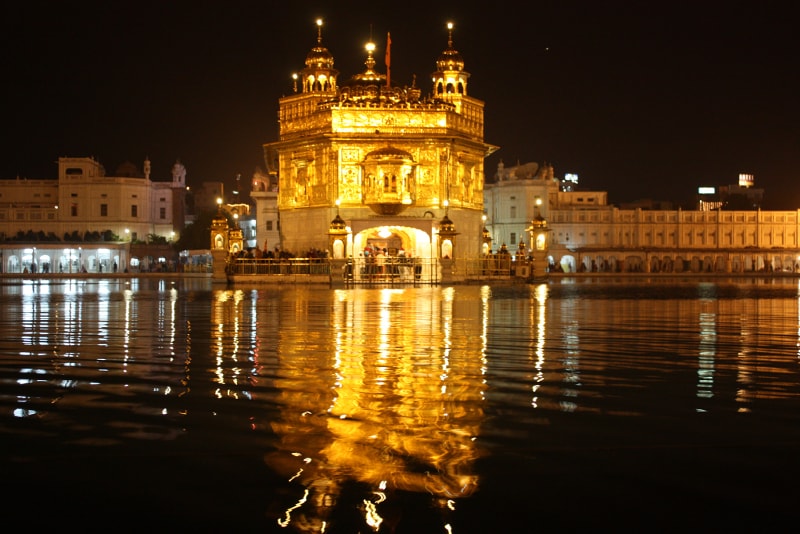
341 267
220 246
447 245
486 238
337 236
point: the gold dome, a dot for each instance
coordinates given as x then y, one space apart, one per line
450 59
319 58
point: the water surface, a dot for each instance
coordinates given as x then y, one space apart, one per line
576 404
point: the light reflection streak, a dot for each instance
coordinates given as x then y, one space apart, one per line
227 316
706 355
571 361
288 515
797 341
371 515
540 294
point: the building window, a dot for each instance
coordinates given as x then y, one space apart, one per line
134 210
73 210
513 237
103 210
162 212
513 212
269 226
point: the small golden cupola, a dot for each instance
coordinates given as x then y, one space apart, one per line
319 74
450 79
369 76
369 86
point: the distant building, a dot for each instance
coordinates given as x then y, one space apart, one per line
589 235
205 197
86 219
513 198
740 196
521 193
264 192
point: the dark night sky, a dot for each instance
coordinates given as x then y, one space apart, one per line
641 99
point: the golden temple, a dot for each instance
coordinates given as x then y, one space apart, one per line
367 163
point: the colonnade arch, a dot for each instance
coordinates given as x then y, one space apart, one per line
62 259
682 261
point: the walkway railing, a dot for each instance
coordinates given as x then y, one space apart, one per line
279 266
372 271
391 271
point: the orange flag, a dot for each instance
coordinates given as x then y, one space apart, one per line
388 58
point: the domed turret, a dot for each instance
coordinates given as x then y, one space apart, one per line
450 78
319 74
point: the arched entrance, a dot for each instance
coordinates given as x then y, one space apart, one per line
412 241
394 253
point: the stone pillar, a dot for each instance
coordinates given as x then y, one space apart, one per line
219 265
338 266
447 270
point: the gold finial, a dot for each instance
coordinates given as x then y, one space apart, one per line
319 30
450 35
370 62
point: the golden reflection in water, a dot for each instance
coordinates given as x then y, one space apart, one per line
540 294
393 404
